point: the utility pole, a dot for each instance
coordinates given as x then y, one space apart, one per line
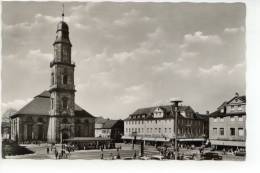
175 110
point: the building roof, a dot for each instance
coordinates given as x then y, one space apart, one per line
110 124
218 112
189 112
40 105
100 120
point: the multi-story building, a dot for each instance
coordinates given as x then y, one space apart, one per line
106 128
156 124
53 115
228 123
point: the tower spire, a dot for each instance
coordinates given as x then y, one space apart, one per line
62 15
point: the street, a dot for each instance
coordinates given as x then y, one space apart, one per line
40 152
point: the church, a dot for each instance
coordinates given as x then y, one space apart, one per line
53 116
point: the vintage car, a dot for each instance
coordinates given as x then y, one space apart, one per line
211 156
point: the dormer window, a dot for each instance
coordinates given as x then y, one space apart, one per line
222 110
232 107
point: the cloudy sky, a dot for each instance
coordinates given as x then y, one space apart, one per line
128 55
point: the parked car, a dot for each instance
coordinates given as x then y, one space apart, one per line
240 153
211 156
157 157
128 158
145 158
188 157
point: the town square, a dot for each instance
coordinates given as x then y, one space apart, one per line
123 81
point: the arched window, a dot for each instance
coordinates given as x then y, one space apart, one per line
64 121
64 79
52 103
64 102
52 78
40 120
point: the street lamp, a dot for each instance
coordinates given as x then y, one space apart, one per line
175 104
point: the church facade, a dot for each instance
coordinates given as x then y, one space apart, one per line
53 116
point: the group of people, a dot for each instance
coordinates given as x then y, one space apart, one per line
112 156
63 153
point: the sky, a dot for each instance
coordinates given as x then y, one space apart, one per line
127 55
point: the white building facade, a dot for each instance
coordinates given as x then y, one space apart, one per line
157 124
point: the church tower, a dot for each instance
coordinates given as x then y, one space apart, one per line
62 87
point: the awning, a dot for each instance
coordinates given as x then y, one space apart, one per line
86 139
147 138
192 139
228 143
127 137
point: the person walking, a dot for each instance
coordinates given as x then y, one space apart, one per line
56 154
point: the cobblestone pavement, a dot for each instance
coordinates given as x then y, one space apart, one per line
126 152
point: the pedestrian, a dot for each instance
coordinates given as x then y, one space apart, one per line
102 156
134 155
56 154
48 150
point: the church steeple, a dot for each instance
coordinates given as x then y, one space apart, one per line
62 15
62 87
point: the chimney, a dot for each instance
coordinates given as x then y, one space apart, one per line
237 95
207 112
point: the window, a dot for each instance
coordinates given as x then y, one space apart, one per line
64 102
239 107
221 131
215 131
232 132
64 121
240 132
232 107
147 130
126 130
159 130
179 131
138 130
142 130
240 118
232 118
40 120
52 102
165 130
64 79
151 130
52 78
170 130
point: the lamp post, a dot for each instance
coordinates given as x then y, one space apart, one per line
175 109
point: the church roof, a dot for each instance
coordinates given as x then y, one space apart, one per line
40 105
